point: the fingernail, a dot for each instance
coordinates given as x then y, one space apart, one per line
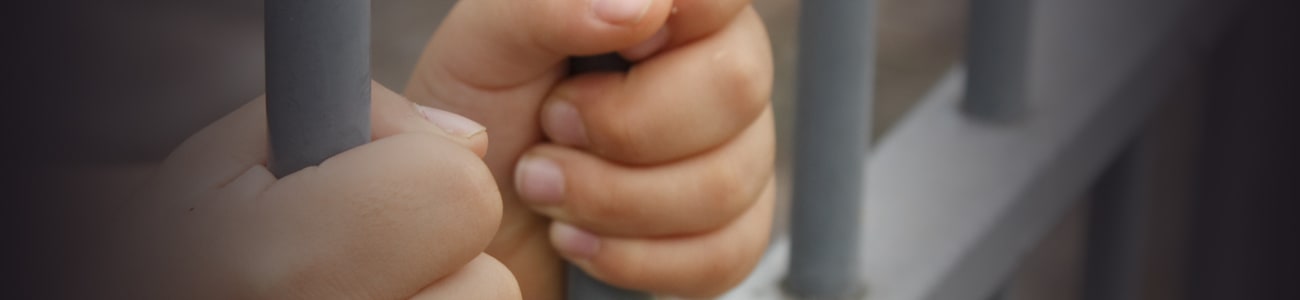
620 12
539 180
452 123
574 242
649 46
564 125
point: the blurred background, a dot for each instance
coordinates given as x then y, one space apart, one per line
145 74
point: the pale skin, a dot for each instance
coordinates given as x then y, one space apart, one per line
658 179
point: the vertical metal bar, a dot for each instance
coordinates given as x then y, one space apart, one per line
317 80
997 46
836 56
579 285
1001 292
1114 231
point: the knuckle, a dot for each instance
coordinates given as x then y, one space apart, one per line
724 195
628 272
622 137
726 273
599 207
747 79
727 269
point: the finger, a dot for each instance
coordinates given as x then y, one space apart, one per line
392 114
702 265
503 43
689 20
683 102
696 194
385 218
483 278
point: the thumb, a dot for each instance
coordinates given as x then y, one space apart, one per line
494 61
498 44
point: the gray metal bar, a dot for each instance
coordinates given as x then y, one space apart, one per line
1001 292
1114 231
954 205
836 56
580 286
317 80
996 59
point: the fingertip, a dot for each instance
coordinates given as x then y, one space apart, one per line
642 16
474 135
453 124
539 180
573 242
563 124
479 144
620 12
648 47
392 114
610 25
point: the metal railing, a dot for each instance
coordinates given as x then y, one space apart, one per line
951 199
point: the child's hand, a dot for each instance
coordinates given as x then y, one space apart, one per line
657 179
407 215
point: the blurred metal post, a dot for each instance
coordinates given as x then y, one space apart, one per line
580 286
317 80
836 57
1114 230
997 43
1001 292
